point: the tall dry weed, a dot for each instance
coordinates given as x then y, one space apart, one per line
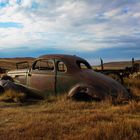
12 96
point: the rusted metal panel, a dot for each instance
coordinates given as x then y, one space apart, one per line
71 75
43 81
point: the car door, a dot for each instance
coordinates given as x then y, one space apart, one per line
64 79
42 76
20 75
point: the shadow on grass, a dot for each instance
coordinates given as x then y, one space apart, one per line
11 98
15 99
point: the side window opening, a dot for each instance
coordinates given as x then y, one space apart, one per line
83 65
61 67
44 65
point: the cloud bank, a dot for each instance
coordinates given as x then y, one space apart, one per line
69 25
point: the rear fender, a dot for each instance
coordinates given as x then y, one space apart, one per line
83 91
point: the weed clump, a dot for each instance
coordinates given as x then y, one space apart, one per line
13 96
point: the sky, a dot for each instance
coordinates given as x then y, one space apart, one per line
92 29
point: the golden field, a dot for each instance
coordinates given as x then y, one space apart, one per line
10 63
58 118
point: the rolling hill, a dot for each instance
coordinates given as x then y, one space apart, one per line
116 65
10 63
120 64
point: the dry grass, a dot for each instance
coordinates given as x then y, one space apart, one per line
12 96
59 118
134 85
10 63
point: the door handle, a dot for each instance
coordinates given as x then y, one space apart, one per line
29 74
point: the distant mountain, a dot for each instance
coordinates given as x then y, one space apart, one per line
118 64
10 63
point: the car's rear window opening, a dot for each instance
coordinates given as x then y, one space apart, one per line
61 67
83 65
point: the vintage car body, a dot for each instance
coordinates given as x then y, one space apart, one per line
58 74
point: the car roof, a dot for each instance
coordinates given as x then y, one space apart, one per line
70 60
62 56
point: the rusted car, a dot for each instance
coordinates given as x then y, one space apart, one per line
68 74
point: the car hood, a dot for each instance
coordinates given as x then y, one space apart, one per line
103 85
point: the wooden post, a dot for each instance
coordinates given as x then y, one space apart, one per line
102 65
133 62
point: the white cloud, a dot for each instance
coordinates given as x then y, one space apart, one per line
62 23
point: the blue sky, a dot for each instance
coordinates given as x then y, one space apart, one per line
89 28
